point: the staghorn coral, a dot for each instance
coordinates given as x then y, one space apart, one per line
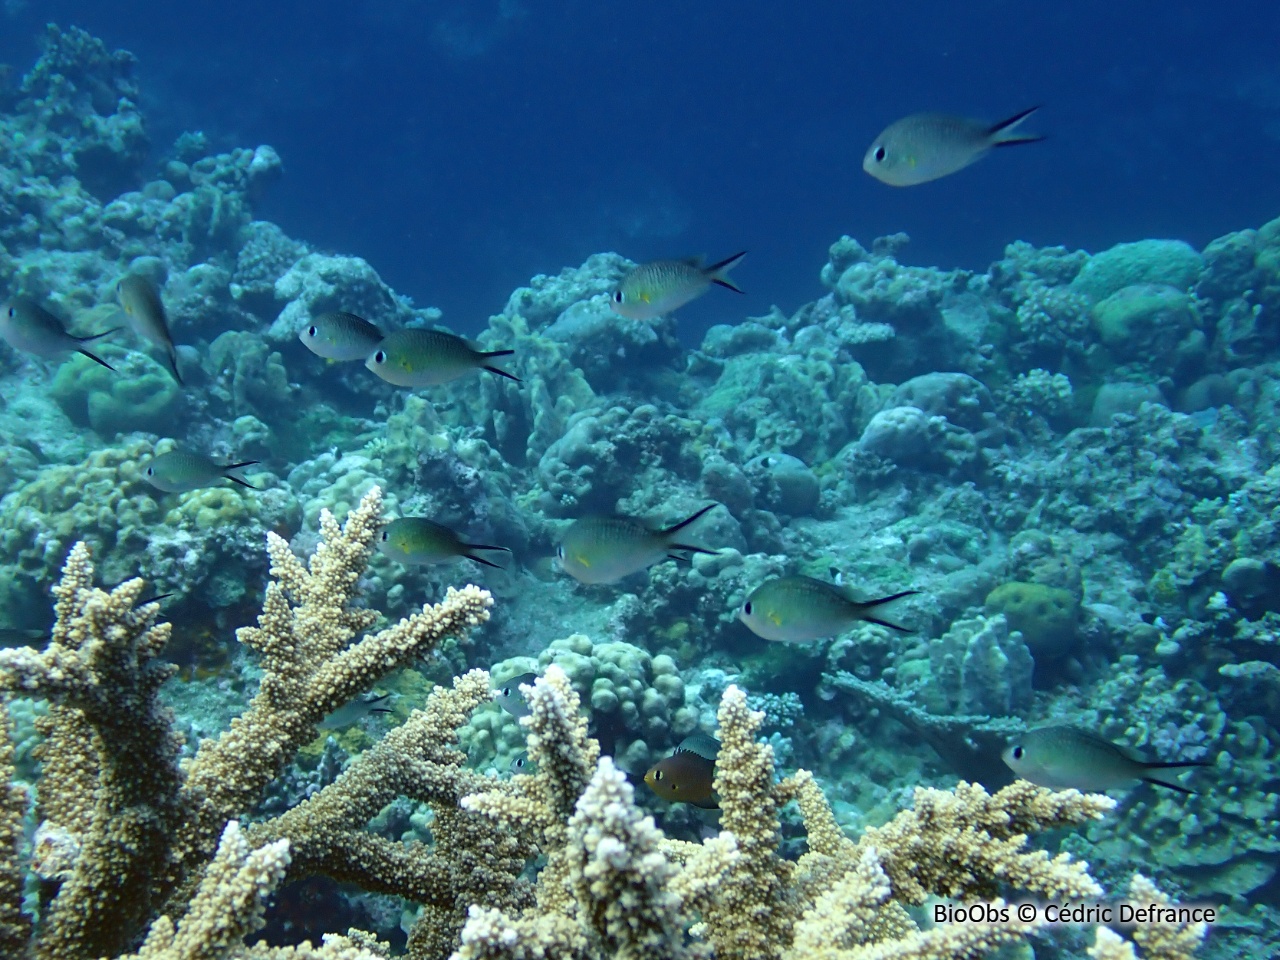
612 885
126 831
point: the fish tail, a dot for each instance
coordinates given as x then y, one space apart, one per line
689 548
1172 785
688 520
226 472
718 273
496 353
502 373
484 546
867 605
173 365
1152 772
1002 134
95 358
95 336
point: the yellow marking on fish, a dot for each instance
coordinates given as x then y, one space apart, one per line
582 560
911 161
646 297
777 620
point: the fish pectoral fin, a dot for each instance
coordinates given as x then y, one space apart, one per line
775 619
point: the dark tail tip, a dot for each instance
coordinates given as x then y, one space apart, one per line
890 598
497 353
502 373
95 358
1013 121
97 336
688 520
243 483
1170 786
173 368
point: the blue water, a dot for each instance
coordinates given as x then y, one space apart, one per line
462 147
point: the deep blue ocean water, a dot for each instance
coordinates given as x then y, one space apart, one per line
462 147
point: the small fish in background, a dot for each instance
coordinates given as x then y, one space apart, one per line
1066 757
30 328
657 288
417 540
798 609
141 303
509 697
340 336
688 774
179 471
23 637
605 549
927 146
521 763
414 357
354 711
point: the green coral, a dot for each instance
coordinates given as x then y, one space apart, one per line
1169 262
140 396
1045 616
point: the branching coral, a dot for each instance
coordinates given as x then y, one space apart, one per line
125 832
116 804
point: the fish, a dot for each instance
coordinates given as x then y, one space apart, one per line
510 698
927 146
688 775
605 549
657 288
357 709
798 609
1067 757
521 763
181 470
141 303
30 328
414 357
340 336
22 636
418 540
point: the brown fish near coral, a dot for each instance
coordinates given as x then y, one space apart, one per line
687 776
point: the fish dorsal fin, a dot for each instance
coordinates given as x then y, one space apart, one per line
700 745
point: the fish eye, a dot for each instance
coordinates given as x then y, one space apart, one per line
311 331
560 551
1017 753
657 774
746 608
519 763
879 154
617 296
151 471
385 538
11 311
380 357
506 691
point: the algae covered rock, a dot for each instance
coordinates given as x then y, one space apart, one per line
1147 322
141 396
1047 617
1169 262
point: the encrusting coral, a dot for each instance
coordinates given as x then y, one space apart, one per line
138 851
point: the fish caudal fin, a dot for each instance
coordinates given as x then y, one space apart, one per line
96 336
95 358
1157 773
718 273
484 546
867 605
173 366
685 522
226 472
1002 134
502 373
